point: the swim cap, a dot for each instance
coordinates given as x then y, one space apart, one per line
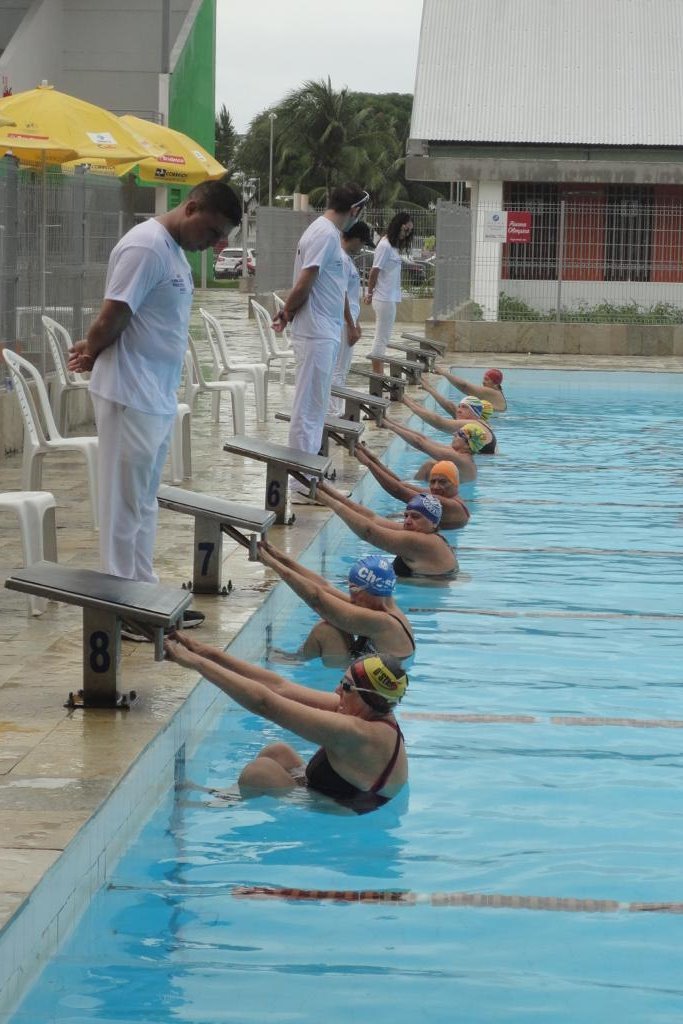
447 469
374 573
487 409
495 375
475 435
475 404
383 675
428 506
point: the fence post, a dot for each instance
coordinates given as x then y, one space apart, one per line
560 263
78 254
9 257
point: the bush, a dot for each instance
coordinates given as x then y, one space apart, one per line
510 308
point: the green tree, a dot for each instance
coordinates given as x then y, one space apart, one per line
226 139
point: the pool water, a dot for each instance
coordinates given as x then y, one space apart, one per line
544 724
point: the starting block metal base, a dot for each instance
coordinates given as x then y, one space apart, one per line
357 402
214 517
416 354
428 343
378 383
281 463
107 601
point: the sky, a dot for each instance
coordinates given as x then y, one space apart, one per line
263 53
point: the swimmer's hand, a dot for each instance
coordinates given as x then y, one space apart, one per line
175 651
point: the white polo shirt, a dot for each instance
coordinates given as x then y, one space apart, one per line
149 272
322 315
352 285
388 260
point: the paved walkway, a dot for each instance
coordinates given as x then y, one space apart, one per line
56 766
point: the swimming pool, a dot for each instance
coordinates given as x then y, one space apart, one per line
543 727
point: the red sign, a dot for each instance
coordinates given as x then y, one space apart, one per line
519 227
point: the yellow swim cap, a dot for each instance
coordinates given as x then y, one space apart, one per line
380 674
487 408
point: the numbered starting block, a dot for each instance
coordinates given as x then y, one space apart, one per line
107 601
345 432
357 402
427 343
281 462
212 518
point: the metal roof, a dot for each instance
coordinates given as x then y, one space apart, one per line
599 72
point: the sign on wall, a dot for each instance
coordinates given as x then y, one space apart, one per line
508 226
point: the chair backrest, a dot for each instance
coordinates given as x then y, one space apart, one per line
59 340
217 342
192 364
35 406
266 332
279 302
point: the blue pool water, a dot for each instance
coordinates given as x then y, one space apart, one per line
567 606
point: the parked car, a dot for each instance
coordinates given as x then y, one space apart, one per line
229 263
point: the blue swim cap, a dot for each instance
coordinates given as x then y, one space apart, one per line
428 506
374 573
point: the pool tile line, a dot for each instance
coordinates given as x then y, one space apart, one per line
507 613
466 718
493 901
557 550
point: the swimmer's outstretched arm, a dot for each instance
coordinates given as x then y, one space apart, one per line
389 480
417 440
450 407
344 507
327 601
383 533
433 418
296 567
247 678
458 382
220 657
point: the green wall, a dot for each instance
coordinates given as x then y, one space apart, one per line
192 102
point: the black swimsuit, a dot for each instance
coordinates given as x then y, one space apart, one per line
490 447
321 776
363 646
401 568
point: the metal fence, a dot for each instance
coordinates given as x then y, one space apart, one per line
604 256
56 234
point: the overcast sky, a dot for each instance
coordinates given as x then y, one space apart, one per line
262 54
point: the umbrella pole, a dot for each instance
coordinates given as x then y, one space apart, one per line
43 253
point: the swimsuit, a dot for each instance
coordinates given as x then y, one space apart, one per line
490 447
321 776
363 646
404 570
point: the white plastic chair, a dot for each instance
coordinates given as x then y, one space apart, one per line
279 305
225 367
66 382
272 347
180 451
36 513
196 383
40 430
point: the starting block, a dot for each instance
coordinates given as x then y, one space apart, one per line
345 432
428 343
212 518
421 355
106 601
378 383
356 402
281 462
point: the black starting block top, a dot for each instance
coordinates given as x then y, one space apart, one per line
150 603
279 455
333 424
436 346
422 355
362 396
230 513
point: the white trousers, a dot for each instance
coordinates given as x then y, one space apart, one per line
385 315
341 371
315 360
132 450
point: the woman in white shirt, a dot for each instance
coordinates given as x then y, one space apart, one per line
384 283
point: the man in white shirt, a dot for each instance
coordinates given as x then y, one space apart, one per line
352 241
317 307
135 350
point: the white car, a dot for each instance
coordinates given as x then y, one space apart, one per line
229 263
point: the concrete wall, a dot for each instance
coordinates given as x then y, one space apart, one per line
34 49
558 339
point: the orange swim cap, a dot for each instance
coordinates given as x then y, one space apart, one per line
447 469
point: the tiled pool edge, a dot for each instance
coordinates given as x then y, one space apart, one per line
52 909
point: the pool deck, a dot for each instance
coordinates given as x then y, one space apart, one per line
58 766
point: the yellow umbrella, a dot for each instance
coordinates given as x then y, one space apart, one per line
182 161
4 121
33 146
88 131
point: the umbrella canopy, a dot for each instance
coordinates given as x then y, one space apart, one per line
4 121
86 130
182 161
32 146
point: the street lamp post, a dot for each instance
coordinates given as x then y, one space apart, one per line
272 117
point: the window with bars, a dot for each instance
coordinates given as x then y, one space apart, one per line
537 259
